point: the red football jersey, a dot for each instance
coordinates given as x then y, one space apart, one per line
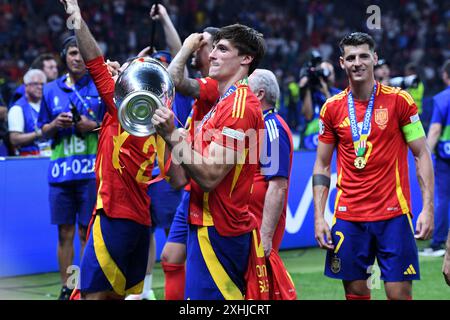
124 162
209 94
381 190
226 207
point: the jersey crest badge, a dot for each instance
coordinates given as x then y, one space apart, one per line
335 265
381 117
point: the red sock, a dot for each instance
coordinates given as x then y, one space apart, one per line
76 295
356 297
175 277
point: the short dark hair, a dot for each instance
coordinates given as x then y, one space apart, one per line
248 41
357 39
38 63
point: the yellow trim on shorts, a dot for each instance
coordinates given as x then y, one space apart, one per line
109 267
227 287
137 289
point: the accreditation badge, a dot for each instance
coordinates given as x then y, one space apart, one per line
335 264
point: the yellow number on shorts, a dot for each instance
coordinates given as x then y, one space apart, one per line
341 239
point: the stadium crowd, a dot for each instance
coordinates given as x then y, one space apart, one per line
415 32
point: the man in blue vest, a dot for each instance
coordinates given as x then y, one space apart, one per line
23 115
439 141
70 112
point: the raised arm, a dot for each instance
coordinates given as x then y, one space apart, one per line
184 85
172 38
321 188
87 45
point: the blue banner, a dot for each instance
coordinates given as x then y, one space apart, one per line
28 240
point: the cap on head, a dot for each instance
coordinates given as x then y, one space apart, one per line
163 56
381 62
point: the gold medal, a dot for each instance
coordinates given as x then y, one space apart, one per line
360 162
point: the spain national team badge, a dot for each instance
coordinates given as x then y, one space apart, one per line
381 117
360 163
335 264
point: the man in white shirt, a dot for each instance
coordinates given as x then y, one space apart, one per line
23 115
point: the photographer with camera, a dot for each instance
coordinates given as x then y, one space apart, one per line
410 82
71 109
317 78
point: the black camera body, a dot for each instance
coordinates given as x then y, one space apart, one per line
75 114
407 82
313 71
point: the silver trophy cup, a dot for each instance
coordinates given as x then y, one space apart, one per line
141 88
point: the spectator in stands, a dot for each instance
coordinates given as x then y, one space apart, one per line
439 141
417 90
71 110
316 85
291 100
382 72
24 133
45 62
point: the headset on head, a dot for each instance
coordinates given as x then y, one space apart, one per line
65 46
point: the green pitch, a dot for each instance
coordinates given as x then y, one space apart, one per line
305 267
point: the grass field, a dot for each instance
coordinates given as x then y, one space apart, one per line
305 267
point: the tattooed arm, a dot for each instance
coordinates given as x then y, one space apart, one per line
425 176
184 85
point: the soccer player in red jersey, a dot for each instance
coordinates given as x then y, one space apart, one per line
206 92
371 126
115 257
271 183
221 165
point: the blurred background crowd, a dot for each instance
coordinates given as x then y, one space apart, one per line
412 33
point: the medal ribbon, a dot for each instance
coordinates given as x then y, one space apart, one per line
227 93
359 142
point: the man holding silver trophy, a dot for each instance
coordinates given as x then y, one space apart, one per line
222 233
116 253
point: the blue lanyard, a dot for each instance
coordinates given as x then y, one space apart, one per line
359 142
84 103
